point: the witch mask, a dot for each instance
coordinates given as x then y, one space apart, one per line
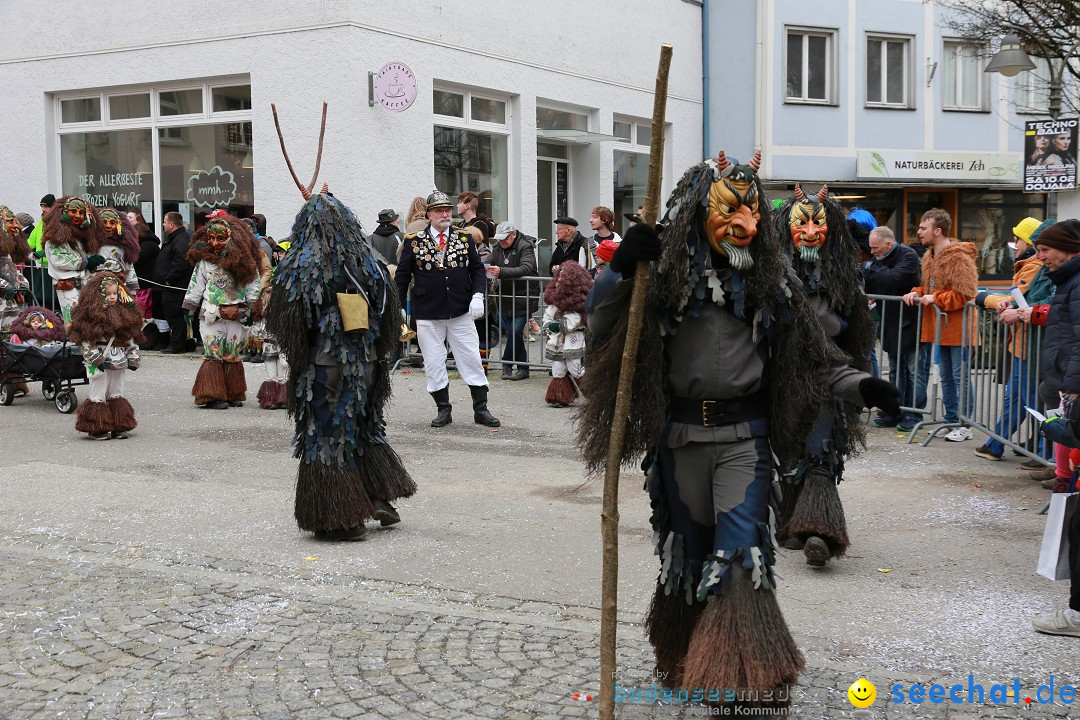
732 222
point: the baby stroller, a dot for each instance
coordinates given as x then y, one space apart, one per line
56 364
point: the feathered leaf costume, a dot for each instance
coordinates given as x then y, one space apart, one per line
345 460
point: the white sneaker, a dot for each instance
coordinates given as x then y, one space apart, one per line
1057 623
959 434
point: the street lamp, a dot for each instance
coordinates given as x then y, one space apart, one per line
1011 59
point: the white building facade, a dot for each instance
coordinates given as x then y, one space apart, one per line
540 109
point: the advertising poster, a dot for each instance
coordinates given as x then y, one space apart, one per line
1050 155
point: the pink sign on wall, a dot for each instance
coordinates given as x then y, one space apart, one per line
395 86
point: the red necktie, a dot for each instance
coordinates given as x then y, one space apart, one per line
442 241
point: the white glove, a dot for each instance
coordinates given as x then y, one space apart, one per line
476 306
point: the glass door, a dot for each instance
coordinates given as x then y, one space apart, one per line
552 201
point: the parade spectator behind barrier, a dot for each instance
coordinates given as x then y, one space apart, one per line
949 281
570 245
1020 384
893 270
514 257
36 241
173 270
386 240
604 253
416 219
1059 249
467 205
602 221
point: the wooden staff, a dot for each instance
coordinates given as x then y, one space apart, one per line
609 522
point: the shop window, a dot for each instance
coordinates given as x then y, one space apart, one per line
110 169
987 219
622 130
631 173
811 65
472 161
487 110
129 107
552 150
888 71
231 98
963 81
552 119
80 110
1033 88
180 102
208 172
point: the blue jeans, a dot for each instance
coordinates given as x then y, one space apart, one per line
514 330
1019 391
950 362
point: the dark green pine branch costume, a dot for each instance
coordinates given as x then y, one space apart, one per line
343 470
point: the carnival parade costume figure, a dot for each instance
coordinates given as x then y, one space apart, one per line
733 367
14 251
339 382
106 323
564 325
825 258
14 287
69 232
271 394
38 325
120 244
226 283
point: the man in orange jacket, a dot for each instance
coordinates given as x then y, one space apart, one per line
949 281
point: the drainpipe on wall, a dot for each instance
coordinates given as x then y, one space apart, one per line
706 138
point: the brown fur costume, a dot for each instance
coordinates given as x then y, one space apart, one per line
210 384
128 239
15 246
21 326
570 285
241 256
57 231
951 270
93 321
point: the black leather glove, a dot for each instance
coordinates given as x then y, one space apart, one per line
880 394
640 244
93 261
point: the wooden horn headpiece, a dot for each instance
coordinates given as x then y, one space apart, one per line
305 191
823 193
799 194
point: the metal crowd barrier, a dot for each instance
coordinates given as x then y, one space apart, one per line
41 287
493 335
1005 368
909 362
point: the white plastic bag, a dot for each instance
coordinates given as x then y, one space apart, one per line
1054 555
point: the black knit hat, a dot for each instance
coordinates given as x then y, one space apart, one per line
1064 236
48 201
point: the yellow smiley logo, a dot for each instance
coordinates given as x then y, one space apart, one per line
862 693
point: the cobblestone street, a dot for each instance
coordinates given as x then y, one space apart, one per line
163 576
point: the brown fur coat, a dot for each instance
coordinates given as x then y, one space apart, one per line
241 256
93 321
949 276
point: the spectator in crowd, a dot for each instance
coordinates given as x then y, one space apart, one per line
26 222
949 281
173 271
604 252
514 256
386 240
1059 249
416 219
569 245
149 295
893 270
859 224
36 241
448 297
1020 384
602 221
467 204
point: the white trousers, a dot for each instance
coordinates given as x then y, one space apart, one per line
559 368
66 299
276 367
105 384
432 335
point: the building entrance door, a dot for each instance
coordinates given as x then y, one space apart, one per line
917 201
552 201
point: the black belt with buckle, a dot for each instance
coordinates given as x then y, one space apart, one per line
711 413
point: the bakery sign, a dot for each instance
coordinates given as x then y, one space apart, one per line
924 165
394 86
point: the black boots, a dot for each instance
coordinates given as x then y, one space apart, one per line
442 401
481 416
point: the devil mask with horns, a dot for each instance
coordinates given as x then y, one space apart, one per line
808 222
733 216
